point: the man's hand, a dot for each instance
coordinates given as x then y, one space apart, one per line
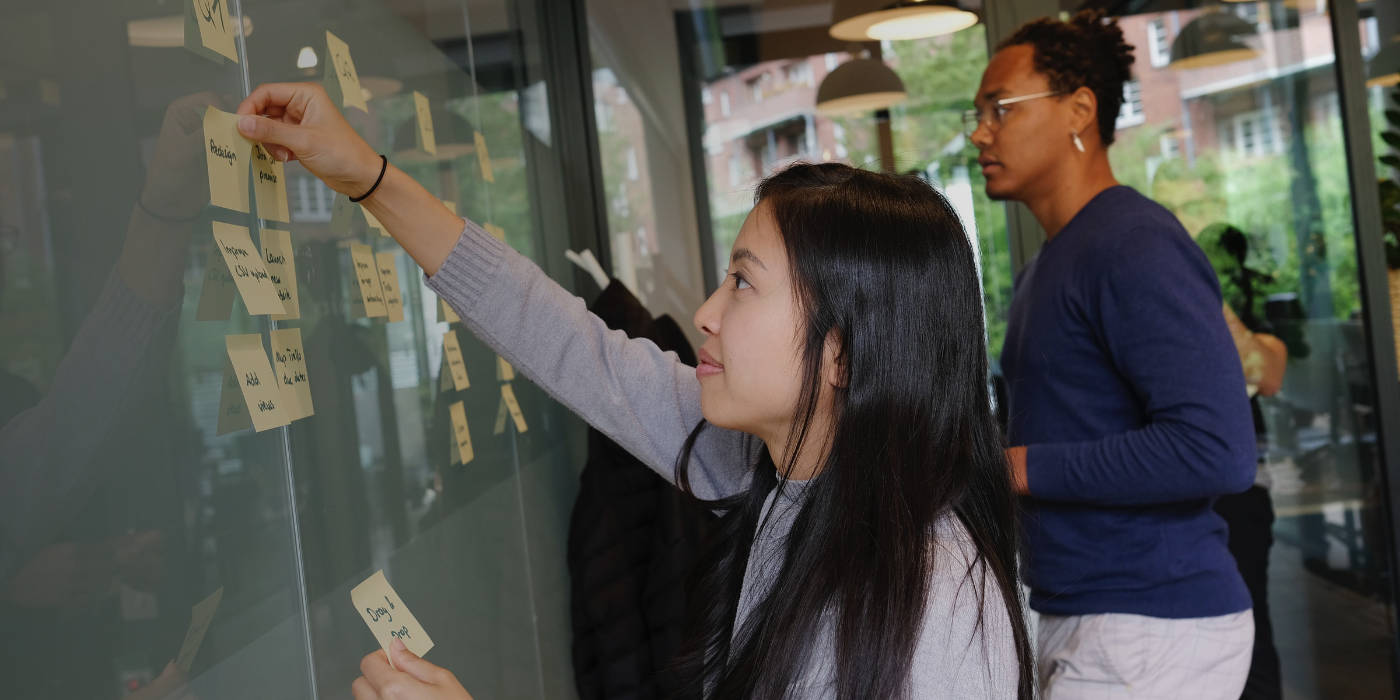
1016 459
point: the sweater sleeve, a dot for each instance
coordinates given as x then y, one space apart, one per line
643 399
1156 305
49 449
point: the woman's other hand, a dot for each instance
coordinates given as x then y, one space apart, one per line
415 678
298 121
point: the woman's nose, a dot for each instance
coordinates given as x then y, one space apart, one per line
706 318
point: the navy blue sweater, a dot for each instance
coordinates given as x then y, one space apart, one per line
1126 387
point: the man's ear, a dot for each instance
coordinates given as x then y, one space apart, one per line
834 362
1084 109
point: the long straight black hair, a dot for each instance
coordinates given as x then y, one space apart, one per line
883 263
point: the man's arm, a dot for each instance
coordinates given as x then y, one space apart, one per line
1159 320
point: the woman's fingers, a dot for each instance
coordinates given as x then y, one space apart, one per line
415 666
291 98
362 690
275 132
298 121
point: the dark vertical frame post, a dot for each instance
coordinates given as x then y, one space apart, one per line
1371 270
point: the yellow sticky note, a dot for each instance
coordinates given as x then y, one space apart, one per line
209 31
216 295
282 270
246 267
256 380
373 222
387 263
496 232
445 312
371 293
269 185
342 82
388 617
226 155
483 157
508 396
427 142
233 411
289 362
504 371
461 435
452 350
456 457
501 414
201 616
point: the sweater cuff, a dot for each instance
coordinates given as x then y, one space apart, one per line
463 277
1045 473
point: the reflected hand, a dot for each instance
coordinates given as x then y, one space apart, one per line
169 685
416 679
298 121
177 182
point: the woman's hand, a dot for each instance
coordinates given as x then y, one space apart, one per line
298 121
415 678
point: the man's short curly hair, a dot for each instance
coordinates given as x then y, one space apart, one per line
1088 50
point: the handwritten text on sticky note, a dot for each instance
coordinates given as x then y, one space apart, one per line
245 265
387 616
256 380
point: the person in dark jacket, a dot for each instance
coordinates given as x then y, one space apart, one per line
633 540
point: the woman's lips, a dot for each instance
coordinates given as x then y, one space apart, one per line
708 366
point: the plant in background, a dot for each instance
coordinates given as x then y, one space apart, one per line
1390 212
1390 189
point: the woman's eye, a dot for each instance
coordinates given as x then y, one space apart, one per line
739 281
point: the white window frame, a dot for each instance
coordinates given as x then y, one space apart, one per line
1159 49
1261 122
1131 113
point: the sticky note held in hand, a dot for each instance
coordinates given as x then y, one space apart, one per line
387 617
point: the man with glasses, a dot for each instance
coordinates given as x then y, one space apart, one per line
1127 406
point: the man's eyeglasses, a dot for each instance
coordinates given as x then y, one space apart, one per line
993 115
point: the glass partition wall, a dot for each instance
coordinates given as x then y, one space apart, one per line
152 538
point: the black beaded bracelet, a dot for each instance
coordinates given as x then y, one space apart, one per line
383 166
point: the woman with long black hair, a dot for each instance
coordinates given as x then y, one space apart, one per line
838 421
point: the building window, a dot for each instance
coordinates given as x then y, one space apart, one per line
1256 134
1131 114
838 134
705 97
799 74
1159 50
1248 11
756 89
832 60
631 164
724 103
1171 148
738 172
311 200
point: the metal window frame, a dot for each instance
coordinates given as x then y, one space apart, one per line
1371 272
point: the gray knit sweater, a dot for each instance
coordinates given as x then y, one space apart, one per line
648 402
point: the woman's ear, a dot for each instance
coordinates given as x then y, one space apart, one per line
834 362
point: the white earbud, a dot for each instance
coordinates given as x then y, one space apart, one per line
1077 143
